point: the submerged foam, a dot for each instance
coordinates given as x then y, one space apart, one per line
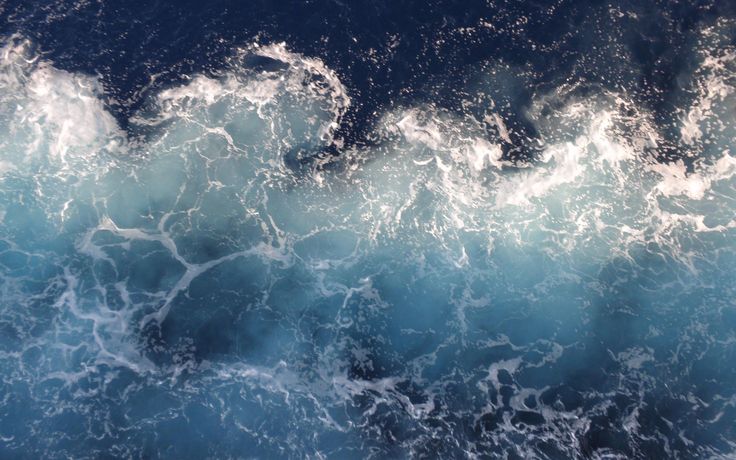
427 288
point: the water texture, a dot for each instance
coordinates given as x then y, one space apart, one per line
260 258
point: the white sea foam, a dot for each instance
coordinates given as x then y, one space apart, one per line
55 119
436 206
708 124
313 90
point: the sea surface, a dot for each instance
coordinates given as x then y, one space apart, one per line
368 229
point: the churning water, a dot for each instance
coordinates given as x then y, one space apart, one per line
221 274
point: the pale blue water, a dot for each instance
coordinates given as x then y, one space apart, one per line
219 271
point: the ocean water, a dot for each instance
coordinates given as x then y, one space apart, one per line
367 230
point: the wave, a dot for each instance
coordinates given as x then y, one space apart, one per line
375 300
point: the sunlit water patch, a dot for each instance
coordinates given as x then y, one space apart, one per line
217 281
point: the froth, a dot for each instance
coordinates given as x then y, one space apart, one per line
219 258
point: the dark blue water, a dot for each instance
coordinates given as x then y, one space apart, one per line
367 229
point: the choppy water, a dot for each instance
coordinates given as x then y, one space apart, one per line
223 273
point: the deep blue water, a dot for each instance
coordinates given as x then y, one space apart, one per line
385 229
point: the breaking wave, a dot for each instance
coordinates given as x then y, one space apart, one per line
229 273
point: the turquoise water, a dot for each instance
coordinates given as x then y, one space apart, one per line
208 282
